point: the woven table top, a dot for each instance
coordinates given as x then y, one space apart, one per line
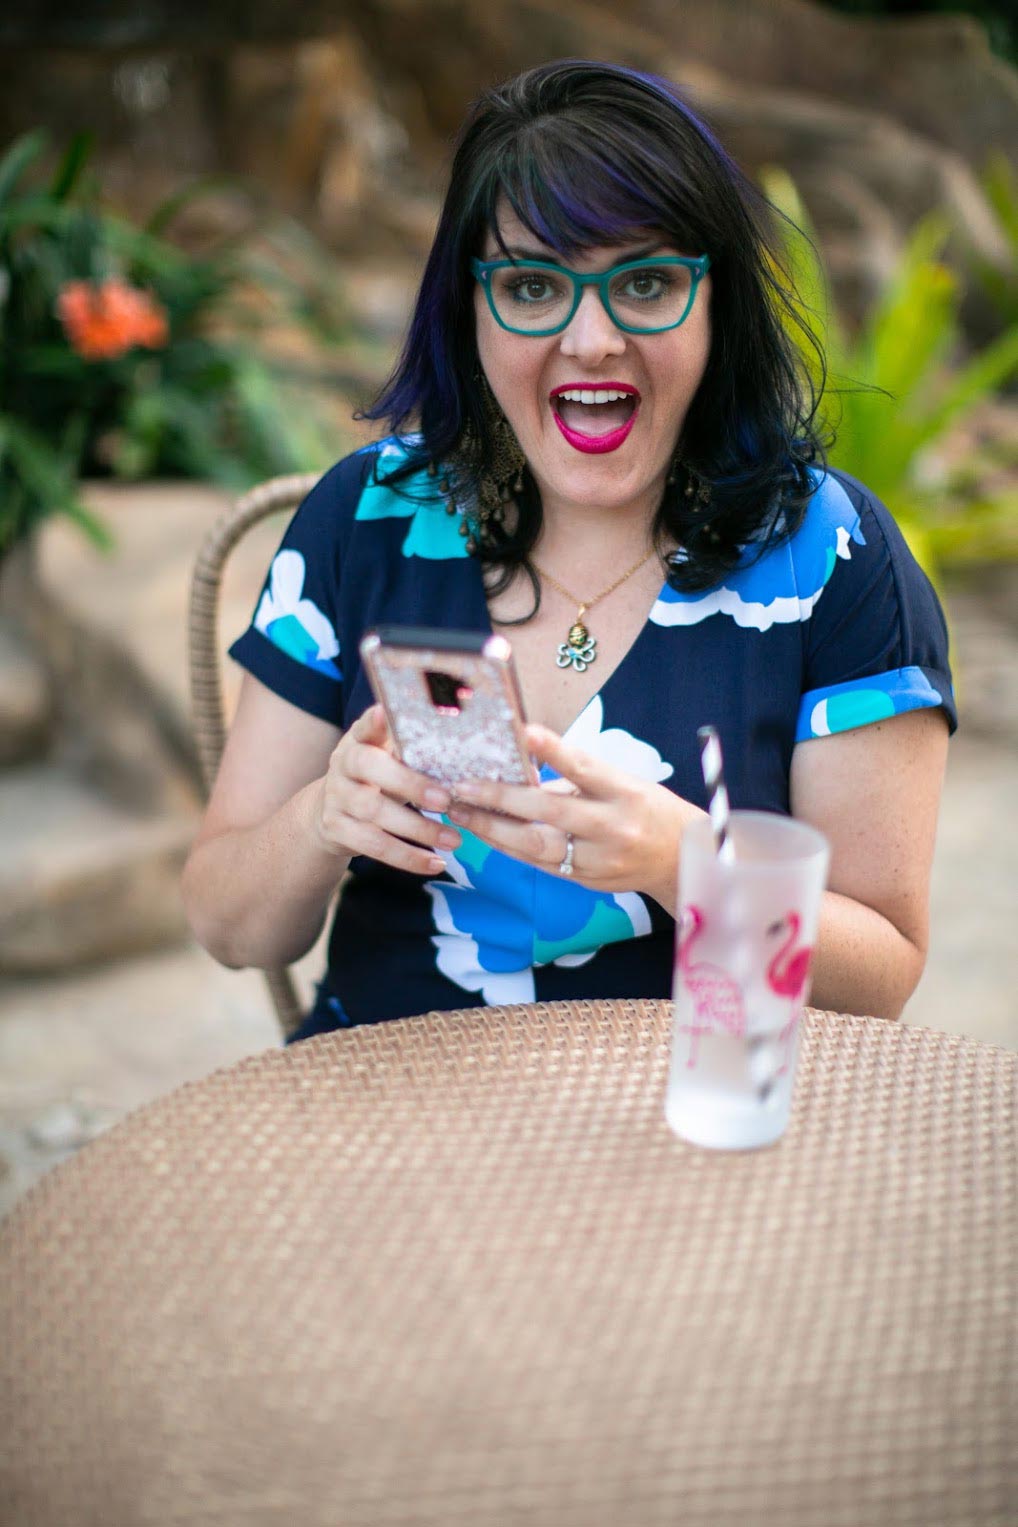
458 1270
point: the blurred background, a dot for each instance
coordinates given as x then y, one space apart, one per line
212 220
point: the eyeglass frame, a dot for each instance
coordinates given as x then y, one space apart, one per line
698 267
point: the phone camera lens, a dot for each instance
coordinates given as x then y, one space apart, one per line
447 693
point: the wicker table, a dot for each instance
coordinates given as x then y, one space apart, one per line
458 1270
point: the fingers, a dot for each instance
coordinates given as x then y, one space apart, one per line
559 787
485 800
535 842
364 757
370 726
363 838
395 835
370 795
580 775
593 803
595 779
373 809
364 807
364 821
532 823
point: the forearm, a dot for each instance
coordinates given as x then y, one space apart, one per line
258 895
663 881
862 963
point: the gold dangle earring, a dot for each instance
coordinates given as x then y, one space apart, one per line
696 491
696 496
498 477
489 480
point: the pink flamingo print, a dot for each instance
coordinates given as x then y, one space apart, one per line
787 974
717 999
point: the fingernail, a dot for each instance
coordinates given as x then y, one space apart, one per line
469 790
449 839
436 866
457 813
438 800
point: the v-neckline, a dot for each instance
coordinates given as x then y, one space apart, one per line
478 573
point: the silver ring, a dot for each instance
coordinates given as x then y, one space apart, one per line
566 867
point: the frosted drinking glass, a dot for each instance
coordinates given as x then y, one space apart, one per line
744 943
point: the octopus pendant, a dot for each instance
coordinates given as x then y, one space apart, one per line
578 651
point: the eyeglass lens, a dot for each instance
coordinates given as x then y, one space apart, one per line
646 297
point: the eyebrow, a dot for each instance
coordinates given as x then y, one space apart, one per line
517 252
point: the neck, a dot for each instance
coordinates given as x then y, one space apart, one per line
591 535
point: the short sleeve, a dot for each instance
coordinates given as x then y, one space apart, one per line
292 645
876 639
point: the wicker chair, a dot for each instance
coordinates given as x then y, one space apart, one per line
205 663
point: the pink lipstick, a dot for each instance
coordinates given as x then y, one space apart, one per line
596 445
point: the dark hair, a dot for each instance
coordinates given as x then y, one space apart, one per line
589 154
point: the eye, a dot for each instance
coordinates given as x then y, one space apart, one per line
646 284
523 286
531 288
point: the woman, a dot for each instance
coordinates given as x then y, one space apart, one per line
615 462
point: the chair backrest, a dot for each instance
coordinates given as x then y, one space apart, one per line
205 662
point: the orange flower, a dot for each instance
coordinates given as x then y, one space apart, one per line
103 322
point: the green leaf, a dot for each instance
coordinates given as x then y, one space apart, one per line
801 252
69 170
134 244
987 531
36 210
804 285
284 424
98 533
173 204
986 373
891 393
920 544
18 157
910 340
46 478
208 404
1001 185
188 435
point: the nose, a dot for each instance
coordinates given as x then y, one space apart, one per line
590 334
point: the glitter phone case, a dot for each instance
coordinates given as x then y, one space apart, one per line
452 702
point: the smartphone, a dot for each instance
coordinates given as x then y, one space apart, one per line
452 701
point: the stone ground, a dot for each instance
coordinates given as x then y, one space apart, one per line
80 1049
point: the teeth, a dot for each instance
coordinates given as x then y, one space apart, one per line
592 395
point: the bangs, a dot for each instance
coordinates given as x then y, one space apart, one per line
575 191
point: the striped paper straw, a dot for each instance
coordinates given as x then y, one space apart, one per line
712 765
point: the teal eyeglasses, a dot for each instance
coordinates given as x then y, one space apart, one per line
640 296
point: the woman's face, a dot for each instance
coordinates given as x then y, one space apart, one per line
559 435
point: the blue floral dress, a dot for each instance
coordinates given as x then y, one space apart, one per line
832 628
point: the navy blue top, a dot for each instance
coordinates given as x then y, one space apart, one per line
832 628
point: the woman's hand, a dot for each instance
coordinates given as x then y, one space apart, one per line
366 799
625 830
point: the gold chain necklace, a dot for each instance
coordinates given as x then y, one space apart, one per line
579 649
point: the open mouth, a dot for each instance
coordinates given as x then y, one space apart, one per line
595 419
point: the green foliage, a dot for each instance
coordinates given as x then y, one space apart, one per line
193 394
894 390
1000 182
